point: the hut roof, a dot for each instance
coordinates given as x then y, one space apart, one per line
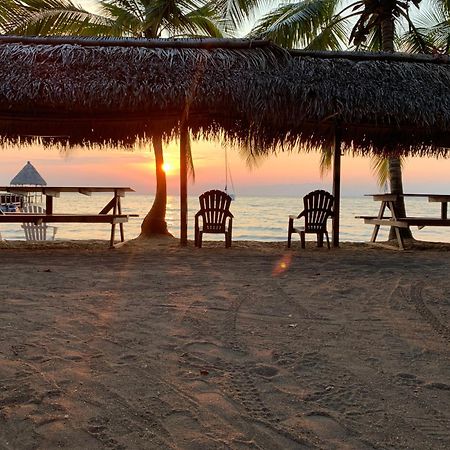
28 175
250 92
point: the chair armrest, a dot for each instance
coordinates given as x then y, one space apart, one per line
291 226
230 223
297 217
229 214
197 215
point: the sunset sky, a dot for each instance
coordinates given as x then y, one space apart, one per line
285 174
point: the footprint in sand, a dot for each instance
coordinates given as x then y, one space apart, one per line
265 371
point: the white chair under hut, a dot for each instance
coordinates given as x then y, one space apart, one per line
29 176
40 232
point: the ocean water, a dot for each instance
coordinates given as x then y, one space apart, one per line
255 218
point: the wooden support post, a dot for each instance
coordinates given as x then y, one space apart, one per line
49 204
113 224
119 210
184 148
49 194
443 210
336 185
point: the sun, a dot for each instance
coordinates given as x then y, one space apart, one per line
167 167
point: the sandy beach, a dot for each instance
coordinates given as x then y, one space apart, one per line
153 346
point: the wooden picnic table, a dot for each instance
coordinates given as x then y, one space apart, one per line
388 202
110 213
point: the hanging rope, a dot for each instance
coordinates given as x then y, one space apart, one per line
228 172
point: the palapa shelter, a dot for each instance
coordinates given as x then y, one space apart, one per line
28 176
250 93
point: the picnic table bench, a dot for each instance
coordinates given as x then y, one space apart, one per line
388 202
111 213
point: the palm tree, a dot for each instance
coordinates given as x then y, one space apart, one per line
325 25
433 28
134 18
11 12
379 17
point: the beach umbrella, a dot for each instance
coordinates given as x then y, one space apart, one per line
251 93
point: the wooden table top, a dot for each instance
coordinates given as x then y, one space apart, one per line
80 189
390 197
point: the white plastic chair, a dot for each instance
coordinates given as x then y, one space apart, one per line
2 213
35 232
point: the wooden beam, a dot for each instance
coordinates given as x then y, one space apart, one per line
85 191
109 206
184 147
336 185
50 192
373 56
203 43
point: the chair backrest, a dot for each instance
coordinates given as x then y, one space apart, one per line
32 231
318 206
214 208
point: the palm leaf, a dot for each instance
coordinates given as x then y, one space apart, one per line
11 12
419 40
326 161
233 13
380 168
59 17
332 36
296 24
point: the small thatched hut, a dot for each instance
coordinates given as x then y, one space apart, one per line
28 176
249 92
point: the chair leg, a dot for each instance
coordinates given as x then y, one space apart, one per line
228 239
302 239
319 239
290 231
328 240
199 239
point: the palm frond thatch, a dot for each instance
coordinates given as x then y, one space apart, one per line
252 93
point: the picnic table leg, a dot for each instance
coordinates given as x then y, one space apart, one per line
401 245
113 225
113 230
377 227
119 210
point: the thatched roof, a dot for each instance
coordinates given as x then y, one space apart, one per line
253 93
28 176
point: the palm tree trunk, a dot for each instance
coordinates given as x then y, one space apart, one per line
155 221
396 183
395 170
387 34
